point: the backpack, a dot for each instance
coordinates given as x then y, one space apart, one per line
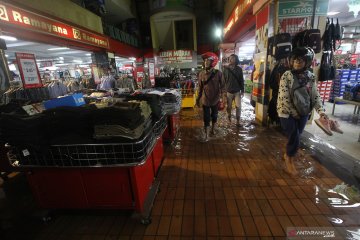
338 33
308 38
327 70
270 46
300 97
329 36
282 45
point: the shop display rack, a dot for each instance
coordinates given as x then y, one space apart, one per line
88 155
160 126
94 176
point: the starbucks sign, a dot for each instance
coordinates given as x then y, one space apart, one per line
291 9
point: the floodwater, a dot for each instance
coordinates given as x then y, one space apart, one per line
232 186
332 176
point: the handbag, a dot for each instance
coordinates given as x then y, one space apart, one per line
221 105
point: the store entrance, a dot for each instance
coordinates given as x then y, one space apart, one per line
71 67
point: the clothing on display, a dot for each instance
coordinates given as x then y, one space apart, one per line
125 82
107 83
73 86
30 94
152 99
56 89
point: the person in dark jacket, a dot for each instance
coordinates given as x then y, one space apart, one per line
210 92
233 79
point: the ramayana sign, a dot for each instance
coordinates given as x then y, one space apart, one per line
14 16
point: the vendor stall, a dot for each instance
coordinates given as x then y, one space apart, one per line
88 157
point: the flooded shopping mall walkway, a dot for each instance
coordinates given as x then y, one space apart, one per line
231 187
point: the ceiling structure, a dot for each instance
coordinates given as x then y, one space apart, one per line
343 13
117 11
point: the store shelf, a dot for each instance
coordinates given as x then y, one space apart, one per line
88 155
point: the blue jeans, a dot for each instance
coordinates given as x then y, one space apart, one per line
293 129
210 114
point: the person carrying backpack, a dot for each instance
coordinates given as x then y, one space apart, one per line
297 97
210 92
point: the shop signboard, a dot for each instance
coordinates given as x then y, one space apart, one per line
239 11
17 17
45 64
175 56
299 8
152 73
29 71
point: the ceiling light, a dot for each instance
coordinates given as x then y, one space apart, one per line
6 55
332 13
57 48
88 54
61 58
132 58
77 61
8 38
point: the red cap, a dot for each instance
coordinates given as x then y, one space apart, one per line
212 56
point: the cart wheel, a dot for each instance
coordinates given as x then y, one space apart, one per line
145 221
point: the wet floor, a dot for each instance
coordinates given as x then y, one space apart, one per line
231 187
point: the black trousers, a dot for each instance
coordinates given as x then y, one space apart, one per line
210 114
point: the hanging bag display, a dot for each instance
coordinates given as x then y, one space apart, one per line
327 70
282 45
270 46
338 32
308 38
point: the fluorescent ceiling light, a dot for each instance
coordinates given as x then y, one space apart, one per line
61 58
19 44
69 52
77 61
12 67
88 54
8 38
332 13
6 55
132 58
57 48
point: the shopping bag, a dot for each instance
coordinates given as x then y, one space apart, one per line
221 105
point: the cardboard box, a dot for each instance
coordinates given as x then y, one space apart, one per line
74 100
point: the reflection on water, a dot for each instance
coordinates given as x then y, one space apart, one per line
227 132
339 198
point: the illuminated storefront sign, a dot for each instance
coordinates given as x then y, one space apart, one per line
14 16
298 8
176 56
241 8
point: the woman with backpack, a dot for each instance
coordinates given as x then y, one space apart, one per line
297 97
